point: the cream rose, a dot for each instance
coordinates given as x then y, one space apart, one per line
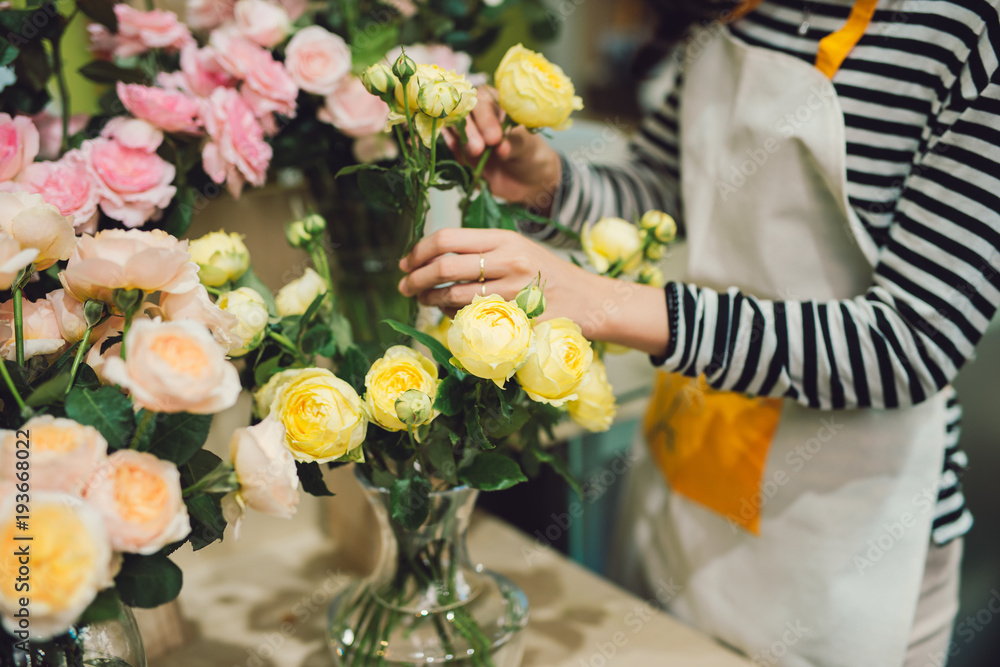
323 416
611 240
535 92
42 336
220 257
62 457
71 560
398 370
594 408
13 258
317 60
174 367
34 223
197 306
295 297
561 360
250 311
139 496
491 338
265 469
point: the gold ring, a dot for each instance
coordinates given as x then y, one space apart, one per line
483 289
482 268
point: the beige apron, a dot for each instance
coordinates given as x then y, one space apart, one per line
845 497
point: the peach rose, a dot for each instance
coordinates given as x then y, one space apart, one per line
175 367
208 14
317 60
139 496
18 145
140 31
100 352
40 326
262 22
63 453
50 132
66 184
169 110
265 468
202 72
237 152
353 110
13 258
35 223
152 261
196 306
72 320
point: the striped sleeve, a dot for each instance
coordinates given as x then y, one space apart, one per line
936 284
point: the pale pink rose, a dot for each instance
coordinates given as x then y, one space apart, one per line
140 31
35 223
73 321
68 185
267 86
441 55
139 496
98 354
152 261
237 152
41 329
50 132
353 110
133 133
63 453
266 471
197 306
175 367
375 148
19 143
13 258
317 60
169 110
102 41
202 71
262 22
208 14
406 8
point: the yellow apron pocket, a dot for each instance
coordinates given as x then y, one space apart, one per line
711 446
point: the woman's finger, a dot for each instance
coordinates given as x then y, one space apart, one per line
451 269
474 145
453 297
460 241
488 122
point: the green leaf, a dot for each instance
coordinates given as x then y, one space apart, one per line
343 337
311 477
250 279
199 465
382 189
353 369
8 52
441 454
207 522
483 212
506 408
492 471
178 436
100 71
264 370
313 308
474 428
520 416
558 465
50 391
102 11
439 351
355 168
148 581
408 504
370 43
104 607
106 409
315 338
450 399
520 213
178 218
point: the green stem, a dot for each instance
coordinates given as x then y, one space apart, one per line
148 419
431 177
13 389
57 64
474 182
18 327
78 358
287 345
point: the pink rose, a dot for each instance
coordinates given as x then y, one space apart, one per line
72 320
262 22
175 367
202 71
441 55
102 41
140 31
18 145
139 496
266 471
208 14
317 60
66 184
196 306
152 261
353 110
406 8
41 329
63 453
237 152
267 87
50 132
133 133
169 110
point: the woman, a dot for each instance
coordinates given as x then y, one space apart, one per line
835 166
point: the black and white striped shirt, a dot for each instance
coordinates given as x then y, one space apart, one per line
921 101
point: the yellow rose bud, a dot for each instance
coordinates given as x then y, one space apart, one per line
297 235
220 257
531 300
535 92
323 416
491 338
404 67
295 297
400 370
561 360
314 224
650 274
652 218
379 79
655 252
594 408
610 240
438 99
250 309
422 122
414 407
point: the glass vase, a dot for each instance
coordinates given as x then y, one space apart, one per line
114 642
426 603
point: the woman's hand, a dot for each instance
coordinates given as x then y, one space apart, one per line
523 167
606 309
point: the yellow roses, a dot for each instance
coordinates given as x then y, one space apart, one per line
399 370
594 408
561 360
220 257
535 92
431 90
611 240
323 416
491 338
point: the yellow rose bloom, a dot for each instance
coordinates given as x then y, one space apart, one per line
535 92
561 360
425 78
323 416
491 338
296 297
221 257
400 369
250 310
594 408
612 239
439 331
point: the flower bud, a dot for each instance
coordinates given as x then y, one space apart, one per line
666 231
652 218
438 99
413 407
650 274
378 80
297 235
314 224
404 68
93 311
250 310
221 257
655 252
531 300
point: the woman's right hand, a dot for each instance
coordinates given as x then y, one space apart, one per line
523 167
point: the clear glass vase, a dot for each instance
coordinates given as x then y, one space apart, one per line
115 642
426 603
